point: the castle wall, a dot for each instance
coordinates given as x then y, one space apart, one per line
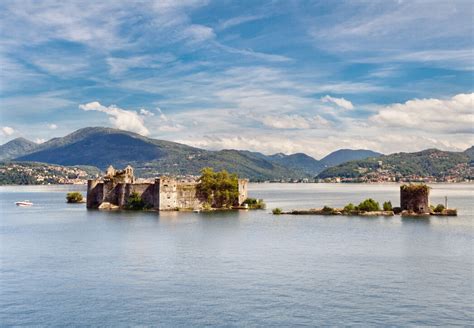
95 193
186 196
145 190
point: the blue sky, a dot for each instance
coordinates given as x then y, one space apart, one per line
269 76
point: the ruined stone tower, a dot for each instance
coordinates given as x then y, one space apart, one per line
415 198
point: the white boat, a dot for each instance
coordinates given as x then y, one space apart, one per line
24 203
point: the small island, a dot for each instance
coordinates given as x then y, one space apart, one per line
119 189
414 202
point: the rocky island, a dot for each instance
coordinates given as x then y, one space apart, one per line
414 201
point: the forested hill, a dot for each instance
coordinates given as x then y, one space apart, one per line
430 162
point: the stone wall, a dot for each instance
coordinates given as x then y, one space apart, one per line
145 190
187 197
95 193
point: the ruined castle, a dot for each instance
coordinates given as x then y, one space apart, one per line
164 193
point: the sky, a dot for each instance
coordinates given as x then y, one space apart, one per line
267 76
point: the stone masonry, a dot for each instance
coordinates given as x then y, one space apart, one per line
164 193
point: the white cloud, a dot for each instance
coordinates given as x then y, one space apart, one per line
438 115
294 122
52 126
234 21
40 140
198 33
407 31
120 118
8 131
341 102
145 112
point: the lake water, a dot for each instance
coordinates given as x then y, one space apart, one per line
63 265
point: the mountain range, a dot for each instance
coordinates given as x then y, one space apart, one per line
101 147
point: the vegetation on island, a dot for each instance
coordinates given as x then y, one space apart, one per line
254 203
367 207
136 203
74 197
277 211
218 189
437 209
387 206
415 188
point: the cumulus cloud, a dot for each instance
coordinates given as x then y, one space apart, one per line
341 102
455 114
294 122
8 131
40 140
120 118
52 126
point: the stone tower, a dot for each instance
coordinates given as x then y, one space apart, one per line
415 198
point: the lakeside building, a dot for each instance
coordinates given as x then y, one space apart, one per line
164 193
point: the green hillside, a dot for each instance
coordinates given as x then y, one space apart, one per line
102 147
430 162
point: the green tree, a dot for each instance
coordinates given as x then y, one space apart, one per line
387 206
349 208
135 202
219 189
369 205
74 197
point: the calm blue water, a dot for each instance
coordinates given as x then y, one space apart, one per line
63 265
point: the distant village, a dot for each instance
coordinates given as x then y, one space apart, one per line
41 174
384 173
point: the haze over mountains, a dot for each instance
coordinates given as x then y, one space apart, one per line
101 147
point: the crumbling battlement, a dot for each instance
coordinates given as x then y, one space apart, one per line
165 193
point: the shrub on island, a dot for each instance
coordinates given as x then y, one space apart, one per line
136 203
439 208
369 205
327 210
254 203
387 206
74 197
349 208
277 211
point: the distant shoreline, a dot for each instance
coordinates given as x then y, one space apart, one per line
270 183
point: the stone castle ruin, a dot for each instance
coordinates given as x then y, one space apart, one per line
164 193
415 198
